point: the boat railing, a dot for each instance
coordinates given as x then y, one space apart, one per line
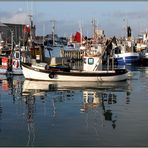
100 59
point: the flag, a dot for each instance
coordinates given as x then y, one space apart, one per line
28 29
77 37
25 29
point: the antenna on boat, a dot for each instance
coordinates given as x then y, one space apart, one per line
43 34
94 28
53 31
81 32
125 26
31 24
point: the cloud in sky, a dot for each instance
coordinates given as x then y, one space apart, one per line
110 17
18 17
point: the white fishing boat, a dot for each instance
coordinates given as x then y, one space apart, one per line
92 71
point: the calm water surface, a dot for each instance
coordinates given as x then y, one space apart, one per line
34 113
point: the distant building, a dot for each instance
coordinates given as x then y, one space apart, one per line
18 32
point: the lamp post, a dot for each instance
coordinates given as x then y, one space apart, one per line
12 49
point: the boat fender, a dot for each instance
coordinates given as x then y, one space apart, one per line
47 67
15 64
51 75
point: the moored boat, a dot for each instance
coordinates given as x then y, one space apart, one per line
144 57
11 64
92 71
125 55
125 50
10 58
129 58
73 75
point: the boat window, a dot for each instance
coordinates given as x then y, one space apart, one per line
90 61
17 55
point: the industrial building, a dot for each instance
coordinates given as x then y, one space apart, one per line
6 30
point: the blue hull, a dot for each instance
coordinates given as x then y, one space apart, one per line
129 60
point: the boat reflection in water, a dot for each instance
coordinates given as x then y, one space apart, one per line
43 106
43 86
94 94
13 86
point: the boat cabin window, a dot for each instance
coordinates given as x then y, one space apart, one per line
90 61
17 55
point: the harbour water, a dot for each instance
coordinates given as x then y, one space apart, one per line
34 113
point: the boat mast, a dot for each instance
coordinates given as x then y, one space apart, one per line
30 37
31 25
81 32
43 34
94 29
53 31
12 41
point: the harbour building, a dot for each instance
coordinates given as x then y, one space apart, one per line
18 32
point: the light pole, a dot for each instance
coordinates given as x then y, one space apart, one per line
11 40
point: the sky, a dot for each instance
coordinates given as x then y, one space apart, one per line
110 16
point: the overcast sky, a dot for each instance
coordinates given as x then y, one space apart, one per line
112 17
